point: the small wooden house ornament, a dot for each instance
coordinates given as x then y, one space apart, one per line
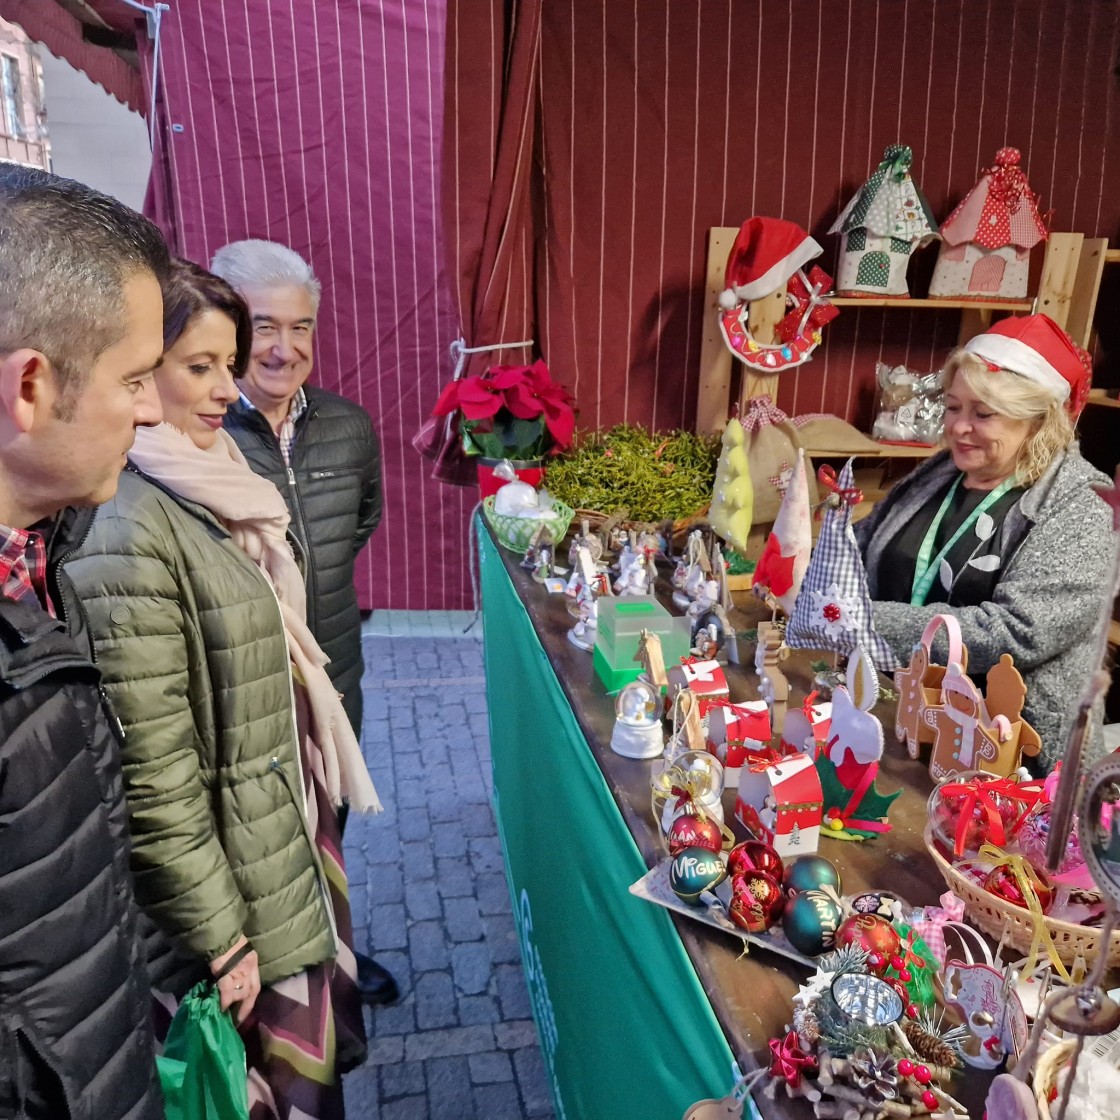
987 240
886 220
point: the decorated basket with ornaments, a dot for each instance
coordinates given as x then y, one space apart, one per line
999 917
987 836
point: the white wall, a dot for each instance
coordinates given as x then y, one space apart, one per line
94 138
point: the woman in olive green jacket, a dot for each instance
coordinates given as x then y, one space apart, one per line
232 770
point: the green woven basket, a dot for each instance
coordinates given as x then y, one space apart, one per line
515 533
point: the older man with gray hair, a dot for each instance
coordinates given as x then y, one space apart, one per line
320 451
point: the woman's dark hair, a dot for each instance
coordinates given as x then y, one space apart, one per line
192 290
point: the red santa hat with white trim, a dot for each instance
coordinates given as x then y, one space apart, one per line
1035 347
766 253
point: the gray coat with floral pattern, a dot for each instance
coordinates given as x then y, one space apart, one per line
1056 548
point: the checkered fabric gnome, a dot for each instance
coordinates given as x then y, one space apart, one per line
833 610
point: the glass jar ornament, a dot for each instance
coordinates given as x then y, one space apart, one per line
974 808
691 776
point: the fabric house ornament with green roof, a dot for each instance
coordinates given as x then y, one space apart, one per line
886 220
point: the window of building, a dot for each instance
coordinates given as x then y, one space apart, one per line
14 123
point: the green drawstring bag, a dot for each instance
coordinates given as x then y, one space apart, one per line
202 1069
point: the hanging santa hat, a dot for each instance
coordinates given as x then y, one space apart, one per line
1035 347
766 253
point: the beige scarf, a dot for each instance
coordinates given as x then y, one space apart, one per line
253 511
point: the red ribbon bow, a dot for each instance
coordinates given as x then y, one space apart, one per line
980 795
788 1060
763 759
850 495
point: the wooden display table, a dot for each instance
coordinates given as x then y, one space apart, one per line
750 996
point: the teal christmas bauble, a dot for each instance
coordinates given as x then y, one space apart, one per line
810 873
695 870
810 921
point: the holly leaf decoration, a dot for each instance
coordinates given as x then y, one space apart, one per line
873 806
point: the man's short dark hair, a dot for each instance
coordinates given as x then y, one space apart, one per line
66 251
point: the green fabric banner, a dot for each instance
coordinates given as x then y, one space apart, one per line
625 1028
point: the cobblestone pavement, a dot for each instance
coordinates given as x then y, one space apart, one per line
429 896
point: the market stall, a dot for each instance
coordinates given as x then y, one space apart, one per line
639 1011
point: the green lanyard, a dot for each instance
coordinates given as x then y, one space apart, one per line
925 570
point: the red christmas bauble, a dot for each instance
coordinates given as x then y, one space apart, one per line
754 855
756 901
872 934
688 831
1002 882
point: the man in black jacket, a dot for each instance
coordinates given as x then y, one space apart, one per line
320 451
80 333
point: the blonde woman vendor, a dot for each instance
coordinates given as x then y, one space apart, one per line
1002 529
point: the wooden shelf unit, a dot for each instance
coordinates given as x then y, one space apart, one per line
1067 292
940 304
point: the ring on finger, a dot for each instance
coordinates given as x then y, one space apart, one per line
238 987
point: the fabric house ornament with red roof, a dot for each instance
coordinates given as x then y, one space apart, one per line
886 220
770 255
987 240
833 610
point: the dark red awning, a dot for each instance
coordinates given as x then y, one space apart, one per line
53 23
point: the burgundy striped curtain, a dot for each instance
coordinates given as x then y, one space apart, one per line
661 118
319 125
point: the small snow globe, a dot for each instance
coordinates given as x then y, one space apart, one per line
637 725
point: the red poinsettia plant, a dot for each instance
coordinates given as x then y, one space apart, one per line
511 412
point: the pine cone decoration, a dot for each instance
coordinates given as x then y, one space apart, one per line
875 1074
930 1046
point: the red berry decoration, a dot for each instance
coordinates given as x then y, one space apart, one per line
872 934
875 961
905 975
929 1099
922 1075
905 1067
897 963
754 855
912 1011
694 832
